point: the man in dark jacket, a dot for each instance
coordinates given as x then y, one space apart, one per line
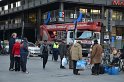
62 51
11 43
23 55
44 52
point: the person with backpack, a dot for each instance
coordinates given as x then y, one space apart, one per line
24 54
96 56
44 48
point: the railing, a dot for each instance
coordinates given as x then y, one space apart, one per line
24 5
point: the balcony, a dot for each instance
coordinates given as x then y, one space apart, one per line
119 23
26 6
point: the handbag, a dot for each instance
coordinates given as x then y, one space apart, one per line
81 64
64 61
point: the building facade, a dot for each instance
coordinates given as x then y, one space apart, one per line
30 14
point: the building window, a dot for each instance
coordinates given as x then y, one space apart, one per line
18 3
84 11
116 15
11 6
6 7
17 20
70 14
95 14
0 8
32 17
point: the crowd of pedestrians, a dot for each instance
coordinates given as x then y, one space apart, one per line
18 49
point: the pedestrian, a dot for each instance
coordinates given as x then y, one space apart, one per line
16 53
24 54
69 56
55 50
76 54
11 43
44 48
96 57
62 51
114 51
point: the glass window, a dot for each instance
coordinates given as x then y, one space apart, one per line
18 3
32 17
70 14
84 34
6 7
116 15
11 5
95 13
84 11
17 20
0 8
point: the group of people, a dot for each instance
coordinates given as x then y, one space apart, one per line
18 50
74 53
117 54
58 49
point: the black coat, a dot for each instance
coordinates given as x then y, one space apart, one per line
11 43
62 50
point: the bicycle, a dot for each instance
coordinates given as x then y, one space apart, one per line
121 64
106 58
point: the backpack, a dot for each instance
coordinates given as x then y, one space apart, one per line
45 49
24 47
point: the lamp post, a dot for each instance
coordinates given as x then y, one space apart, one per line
22 34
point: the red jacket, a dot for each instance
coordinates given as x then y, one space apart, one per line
16 49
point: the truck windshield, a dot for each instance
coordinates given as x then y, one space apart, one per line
84 35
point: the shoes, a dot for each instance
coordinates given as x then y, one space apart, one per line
70 68
26 72
77 74
94 74
11 69
62 67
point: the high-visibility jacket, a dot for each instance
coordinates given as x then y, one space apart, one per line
55 45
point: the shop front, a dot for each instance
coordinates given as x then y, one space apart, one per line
117 38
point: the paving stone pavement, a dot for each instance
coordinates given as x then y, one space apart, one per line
52 73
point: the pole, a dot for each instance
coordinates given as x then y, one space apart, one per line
75 31
4 33
102 27
22 34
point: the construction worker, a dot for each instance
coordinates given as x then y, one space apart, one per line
55 50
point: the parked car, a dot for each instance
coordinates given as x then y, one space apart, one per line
7 49
33 49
